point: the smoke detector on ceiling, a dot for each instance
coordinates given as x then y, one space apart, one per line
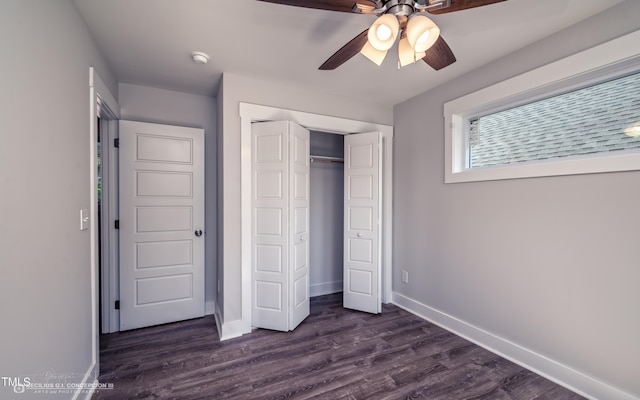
200 57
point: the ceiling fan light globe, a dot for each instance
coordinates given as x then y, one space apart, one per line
384 31
373 54
406 55
422 33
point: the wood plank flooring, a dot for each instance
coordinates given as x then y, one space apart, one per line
334 354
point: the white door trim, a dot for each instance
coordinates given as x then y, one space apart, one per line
110 236
100 98
253 112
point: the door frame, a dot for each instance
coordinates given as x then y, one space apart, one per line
110 237
253 113
101 104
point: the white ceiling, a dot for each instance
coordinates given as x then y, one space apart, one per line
149 42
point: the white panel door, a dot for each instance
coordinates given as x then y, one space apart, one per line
362 271
270 225
161 224
280 225
299 177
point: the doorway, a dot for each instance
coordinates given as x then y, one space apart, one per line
253 113
103 118
326 213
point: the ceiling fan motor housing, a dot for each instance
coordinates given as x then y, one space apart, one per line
400 8
405 8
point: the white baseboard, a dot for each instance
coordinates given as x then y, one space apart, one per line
561 374
88 384
319 289
228 330
88 393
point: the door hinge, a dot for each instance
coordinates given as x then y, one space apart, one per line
116 143
117 304
117 224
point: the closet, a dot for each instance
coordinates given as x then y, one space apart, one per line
326 213
280 223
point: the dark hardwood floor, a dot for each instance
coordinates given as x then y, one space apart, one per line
334 354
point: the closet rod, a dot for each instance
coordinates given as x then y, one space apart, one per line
325 159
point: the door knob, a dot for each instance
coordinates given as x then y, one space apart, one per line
301 238
198 233
359 234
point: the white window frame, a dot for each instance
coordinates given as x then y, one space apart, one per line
614 58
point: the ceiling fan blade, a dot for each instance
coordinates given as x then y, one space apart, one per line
331 5
458 5
439 55
346 52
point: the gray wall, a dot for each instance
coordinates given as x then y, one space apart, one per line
238 89
550 264
326 215
45 283
145 104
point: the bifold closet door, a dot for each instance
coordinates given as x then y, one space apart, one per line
362 216
280 225
300 177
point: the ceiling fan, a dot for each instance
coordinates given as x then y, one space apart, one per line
405 19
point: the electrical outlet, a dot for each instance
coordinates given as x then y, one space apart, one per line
405 276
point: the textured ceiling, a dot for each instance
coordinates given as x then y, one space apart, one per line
149 42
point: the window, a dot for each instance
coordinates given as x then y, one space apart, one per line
584 121
577 115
